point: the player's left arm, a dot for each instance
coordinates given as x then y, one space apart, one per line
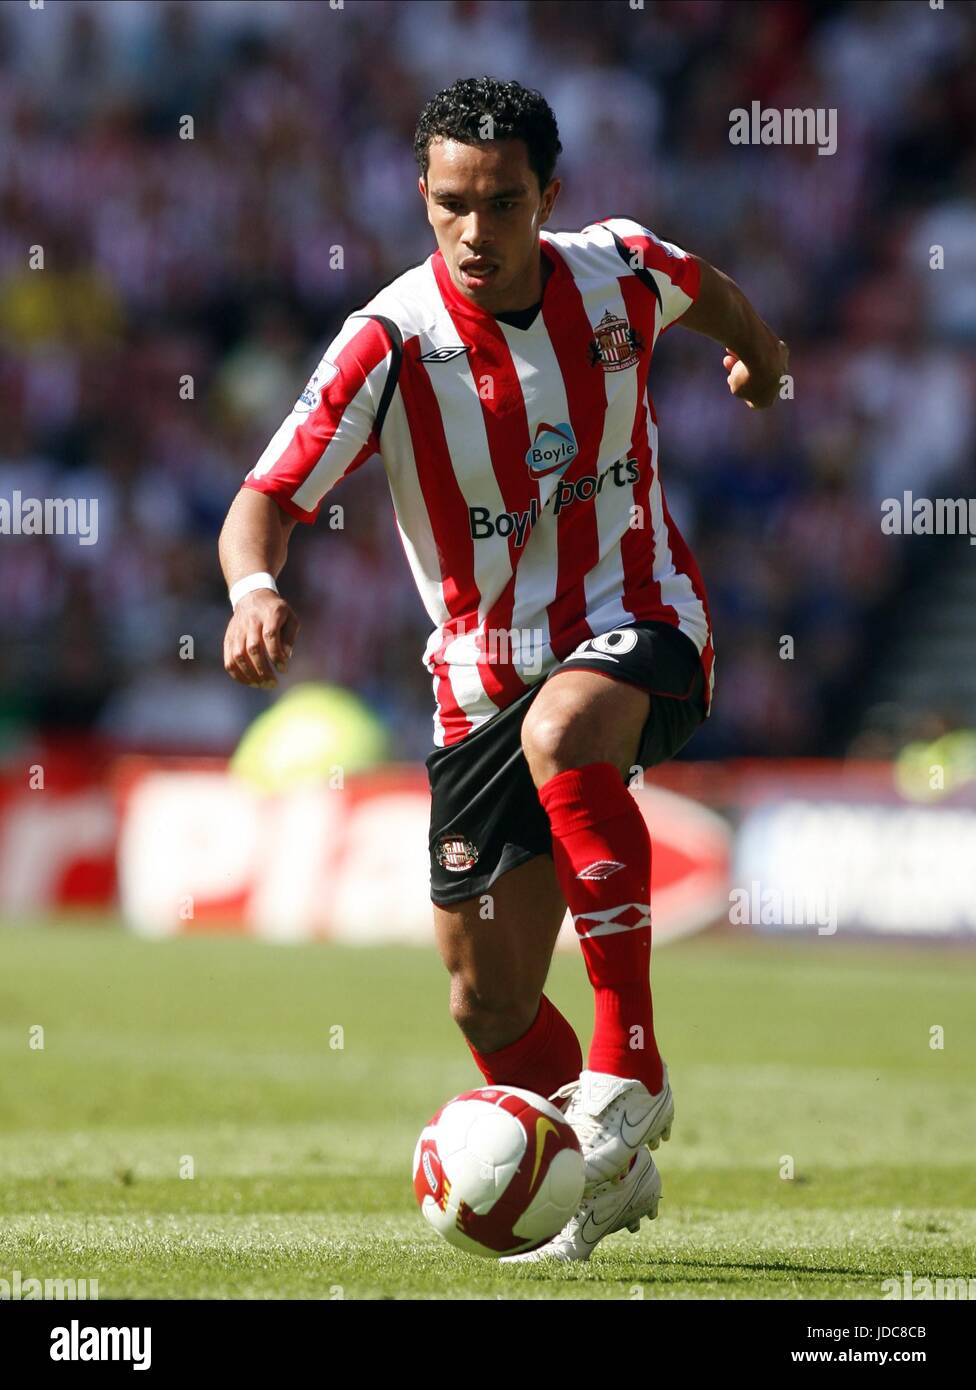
755 358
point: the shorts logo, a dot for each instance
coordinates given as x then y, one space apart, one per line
455 853
318 381
601 868
615 345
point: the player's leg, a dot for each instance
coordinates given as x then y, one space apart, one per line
581 718
498 905
582 736
497 948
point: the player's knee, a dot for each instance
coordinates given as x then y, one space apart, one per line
489 1021
549 742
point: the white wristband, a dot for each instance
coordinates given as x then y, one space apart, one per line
249 583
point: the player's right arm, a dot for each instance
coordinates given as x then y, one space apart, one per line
332 430
262 629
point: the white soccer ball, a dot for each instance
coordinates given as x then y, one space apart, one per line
498 1171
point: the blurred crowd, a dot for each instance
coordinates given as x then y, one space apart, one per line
189 286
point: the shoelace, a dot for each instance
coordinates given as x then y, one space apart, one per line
588 1130
565 1092
587 1127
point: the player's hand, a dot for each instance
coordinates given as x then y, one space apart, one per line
758 386
259 639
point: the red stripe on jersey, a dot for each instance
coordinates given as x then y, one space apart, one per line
310 441
685 273
507 433
642 592
685 561
682 271
272 486
454 721
577 535
448 514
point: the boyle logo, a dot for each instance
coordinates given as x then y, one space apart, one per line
553 451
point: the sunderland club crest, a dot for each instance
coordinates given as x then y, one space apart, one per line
614 345
456 853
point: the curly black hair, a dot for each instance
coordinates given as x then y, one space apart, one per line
517 113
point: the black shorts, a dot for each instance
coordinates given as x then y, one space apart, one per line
485 814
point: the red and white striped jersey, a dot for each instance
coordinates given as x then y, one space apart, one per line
523 462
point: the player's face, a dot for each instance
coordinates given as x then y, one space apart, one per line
486 208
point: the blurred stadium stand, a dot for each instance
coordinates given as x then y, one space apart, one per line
211 257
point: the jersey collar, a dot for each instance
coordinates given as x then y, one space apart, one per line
462 307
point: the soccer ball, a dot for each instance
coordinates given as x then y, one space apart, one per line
498 1171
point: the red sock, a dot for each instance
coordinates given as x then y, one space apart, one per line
602 853
541 1060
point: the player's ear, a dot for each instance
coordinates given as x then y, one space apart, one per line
549 195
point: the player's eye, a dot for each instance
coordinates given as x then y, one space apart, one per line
504 205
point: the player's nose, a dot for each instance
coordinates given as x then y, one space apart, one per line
477 236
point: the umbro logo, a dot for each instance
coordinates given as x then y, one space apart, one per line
600 868
445 354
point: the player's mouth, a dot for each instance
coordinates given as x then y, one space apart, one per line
476 272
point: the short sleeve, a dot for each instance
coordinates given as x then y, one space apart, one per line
332 429
669 272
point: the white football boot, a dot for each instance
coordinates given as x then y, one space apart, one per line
622 1202
614 1118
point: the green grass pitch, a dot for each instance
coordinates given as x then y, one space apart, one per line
222 1050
